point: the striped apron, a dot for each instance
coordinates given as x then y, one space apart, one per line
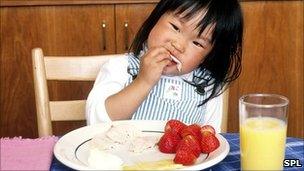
170 98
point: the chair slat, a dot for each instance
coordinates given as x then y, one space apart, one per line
74 68
67 110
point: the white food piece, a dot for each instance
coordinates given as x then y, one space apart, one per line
140 144
178 63
104 161
102 142
123 133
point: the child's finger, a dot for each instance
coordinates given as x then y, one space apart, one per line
153 52
162 56
164 63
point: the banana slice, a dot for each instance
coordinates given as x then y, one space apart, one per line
154 165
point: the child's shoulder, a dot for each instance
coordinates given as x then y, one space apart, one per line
123 60
118 57
116 61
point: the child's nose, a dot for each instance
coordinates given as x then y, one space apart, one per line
178 46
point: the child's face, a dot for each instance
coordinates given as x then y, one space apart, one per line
180 37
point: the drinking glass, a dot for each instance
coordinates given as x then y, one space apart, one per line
263 126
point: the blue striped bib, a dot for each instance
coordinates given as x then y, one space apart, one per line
170 98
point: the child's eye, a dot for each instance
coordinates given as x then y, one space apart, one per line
198 44
175 27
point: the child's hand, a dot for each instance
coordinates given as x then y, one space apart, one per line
152 65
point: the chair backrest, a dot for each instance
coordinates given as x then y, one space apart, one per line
225 111
77 68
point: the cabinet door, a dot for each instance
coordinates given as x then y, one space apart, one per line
79 30
129 19
58 30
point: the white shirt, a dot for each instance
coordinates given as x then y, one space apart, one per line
113 77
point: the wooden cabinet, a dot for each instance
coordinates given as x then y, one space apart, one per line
128 20
59 29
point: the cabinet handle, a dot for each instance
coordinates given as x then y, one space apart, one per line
103 29
126 25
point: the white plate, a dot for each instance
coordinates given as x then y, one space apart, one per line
72 149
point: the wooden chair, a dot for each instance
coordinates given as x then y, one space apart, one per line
80 68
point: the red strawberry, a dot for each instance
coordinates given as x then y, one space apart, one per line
174 126
168 142
208 128
209 142
185 156
191 142
193 129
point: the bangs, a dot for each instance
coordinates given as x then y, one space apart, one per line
213 13
189 9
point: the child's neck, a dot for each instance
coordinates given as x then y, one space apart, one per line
187 76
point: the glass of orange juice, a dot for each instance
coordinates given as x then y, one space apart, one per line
263 126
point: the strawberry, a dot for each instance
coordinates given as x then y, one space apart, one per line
209 142
207 128
175 126
193 129
184 155
168 142
191 142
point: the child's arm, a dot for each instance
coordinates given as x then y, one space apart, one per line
111 78
214 112
124 103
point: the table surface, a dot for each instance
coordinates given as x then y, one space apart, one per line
294 150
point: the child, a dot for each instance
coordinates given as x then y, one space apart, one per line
183 56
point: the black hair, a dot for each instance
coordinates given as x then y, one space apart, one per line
224 60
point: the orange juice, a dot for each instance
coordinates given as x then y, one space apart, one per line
262 142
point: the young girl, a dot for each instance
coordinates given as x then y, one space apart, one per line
183 56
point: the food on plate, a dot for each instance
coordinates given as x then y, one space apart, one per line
185 155
207 128
187 141
103 146
116 136
123 133
188 151
140 144
191 142
209 142
102 160
168 142
193 129
154 165
174 126
102 142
